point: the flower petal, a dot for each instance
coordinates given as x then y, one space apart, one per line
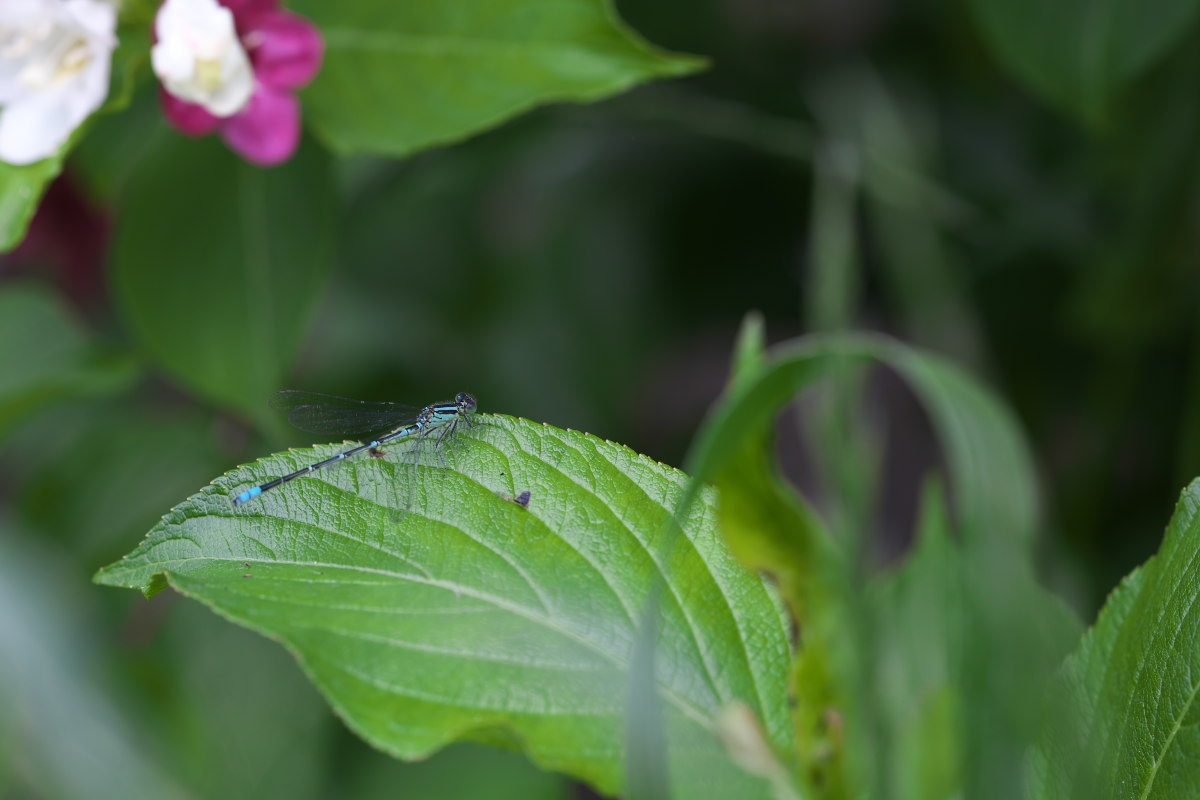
55 74
34 128
285 49
188 118
98 18
199 57
172 63
268 130
245 10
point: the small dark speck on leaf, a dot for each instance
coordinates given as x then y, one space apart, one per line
522 499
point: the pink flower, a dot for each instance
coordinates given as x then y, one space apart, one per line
200 56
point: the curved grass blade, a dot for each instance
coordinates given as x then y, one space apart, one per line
1010 629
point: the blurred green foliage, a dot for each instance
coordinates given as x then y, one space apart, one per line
1009 184
400 77
251 250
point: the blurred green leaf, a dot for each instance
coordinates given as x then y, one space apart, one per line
64 737
1080 53
474 617
917 616
461 770
770 530
991 469
400 77
131 59
21 189
1015 633
116 144
749 351
137 14
265 734
47 357
1134 682
219 265
120 472
904 207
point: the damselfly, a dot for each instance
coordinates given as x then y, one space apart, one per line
383 422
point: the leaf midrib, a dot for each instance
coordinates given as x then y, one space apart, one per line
537 590
630 616
421 647
688 709
1162 754
690 624
660 571
1189 568
405 691
745 645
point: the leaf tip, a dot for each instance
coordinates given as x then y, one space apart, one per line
115 574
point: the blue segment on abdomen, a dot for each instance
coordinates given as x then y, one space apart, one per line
244 496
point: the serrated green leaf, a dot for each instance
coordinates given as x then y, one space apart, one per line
218 265
1080 53
1134 682
473 617
47 357
1063 764
401 77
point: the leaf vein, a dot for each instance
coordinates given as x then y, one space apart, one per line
626 607
422 647
408 691
745 645
685 707
689 624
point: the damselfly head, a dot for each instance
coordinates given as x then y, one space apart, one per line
466 402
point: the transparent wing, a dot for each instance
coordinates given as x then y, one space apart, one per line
315 412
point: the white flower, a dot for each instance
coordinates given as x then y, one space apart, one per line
199 58
55 58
